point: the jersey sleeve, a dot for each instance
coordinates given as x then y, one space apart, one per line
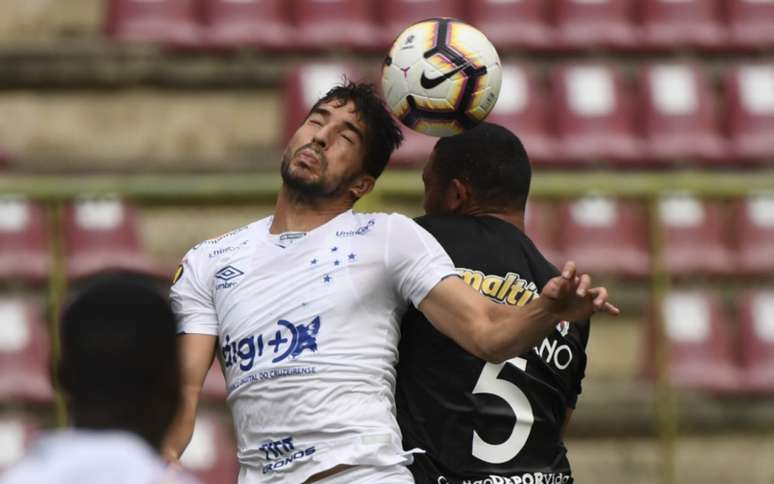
191 298
579 337
414 259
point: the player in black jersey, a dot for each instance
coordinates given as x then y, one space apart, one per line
482 422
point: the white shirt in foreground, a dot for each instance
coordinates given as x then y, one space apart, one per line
92 457
308 336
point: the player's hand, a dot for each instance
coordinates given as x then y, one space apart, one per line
571 298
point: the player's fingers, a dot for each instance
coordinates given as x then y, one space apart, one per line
583 285
600 296
611 309
568 272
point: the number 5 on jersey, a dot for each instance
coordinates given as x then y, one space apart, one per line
488 382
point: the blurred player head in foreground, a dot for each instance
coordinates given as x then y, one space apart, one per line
482 170
119 368
341 148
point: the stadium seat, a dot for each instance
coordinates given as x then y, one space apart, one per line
24 253
396 15
336 24
24 362
101 234
214 388
750 112
750 23
169 22
673 24
305 85
16 435
756 334
5 158
211 455
605 236
512 24
753 231
540 226
262 24
581 24
695 236
593 115
701 344
678 115
521 108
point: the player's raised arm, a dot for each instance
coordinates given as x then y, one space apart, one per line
497 332
196 354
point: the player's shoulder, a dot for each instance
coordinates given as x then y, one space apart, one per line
226 243
382 221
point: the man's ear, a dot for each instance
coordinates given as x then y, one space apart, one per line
362 186
458 195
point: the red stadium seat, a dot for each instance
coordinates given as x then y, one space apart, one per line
512 24
305 85
396 15
24 361
211 455
701 345
335 24
24 253
671 24
541 228
750 23
605 236
101 234
521 108
678 115
581 24
750 112
695 237
214 388
756 331
263 24
754 233
593 115
16 435
171 22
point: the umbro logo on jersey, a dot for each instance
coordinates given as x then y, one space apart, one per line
227 275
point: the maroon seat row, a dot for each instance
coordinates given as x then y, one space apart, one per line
211 455
708 351
700 237
510 24
585 113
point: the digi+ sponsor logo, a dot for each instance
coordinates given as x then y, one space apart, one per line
288 341
282 453
227 275
358 231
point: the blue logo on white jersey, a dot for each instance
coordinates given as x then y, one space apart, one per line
358 231
227 274
281 453
288 341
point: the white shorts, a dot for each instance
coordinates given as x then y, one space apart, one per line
395 474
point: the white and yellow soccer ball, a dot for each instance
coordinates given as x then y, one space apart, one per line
441 77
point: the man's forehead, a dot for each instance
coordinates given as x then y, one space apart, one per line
341 105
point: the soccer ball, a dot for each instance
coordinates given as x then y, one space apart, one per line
441 77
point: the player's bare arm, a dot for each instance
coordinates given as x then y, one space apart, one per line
196 354
497 332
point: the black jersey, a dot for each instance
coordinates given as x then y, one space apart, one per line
482 422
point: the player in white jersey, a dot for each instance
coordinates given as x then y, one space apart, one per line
120 374
302 309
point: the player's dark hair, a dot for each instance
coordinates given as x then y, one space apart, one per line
119 365
491 160
382 136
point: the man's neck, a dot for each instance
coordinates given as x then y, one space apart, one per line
513 217
294 215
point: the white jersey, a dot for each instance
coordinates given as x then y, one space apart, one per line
308 328
92 457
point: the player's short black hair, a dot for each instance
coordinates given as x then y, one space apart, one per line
491 160
383 136
119 363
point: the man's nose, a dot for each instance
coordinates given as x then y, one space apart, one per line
323 136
